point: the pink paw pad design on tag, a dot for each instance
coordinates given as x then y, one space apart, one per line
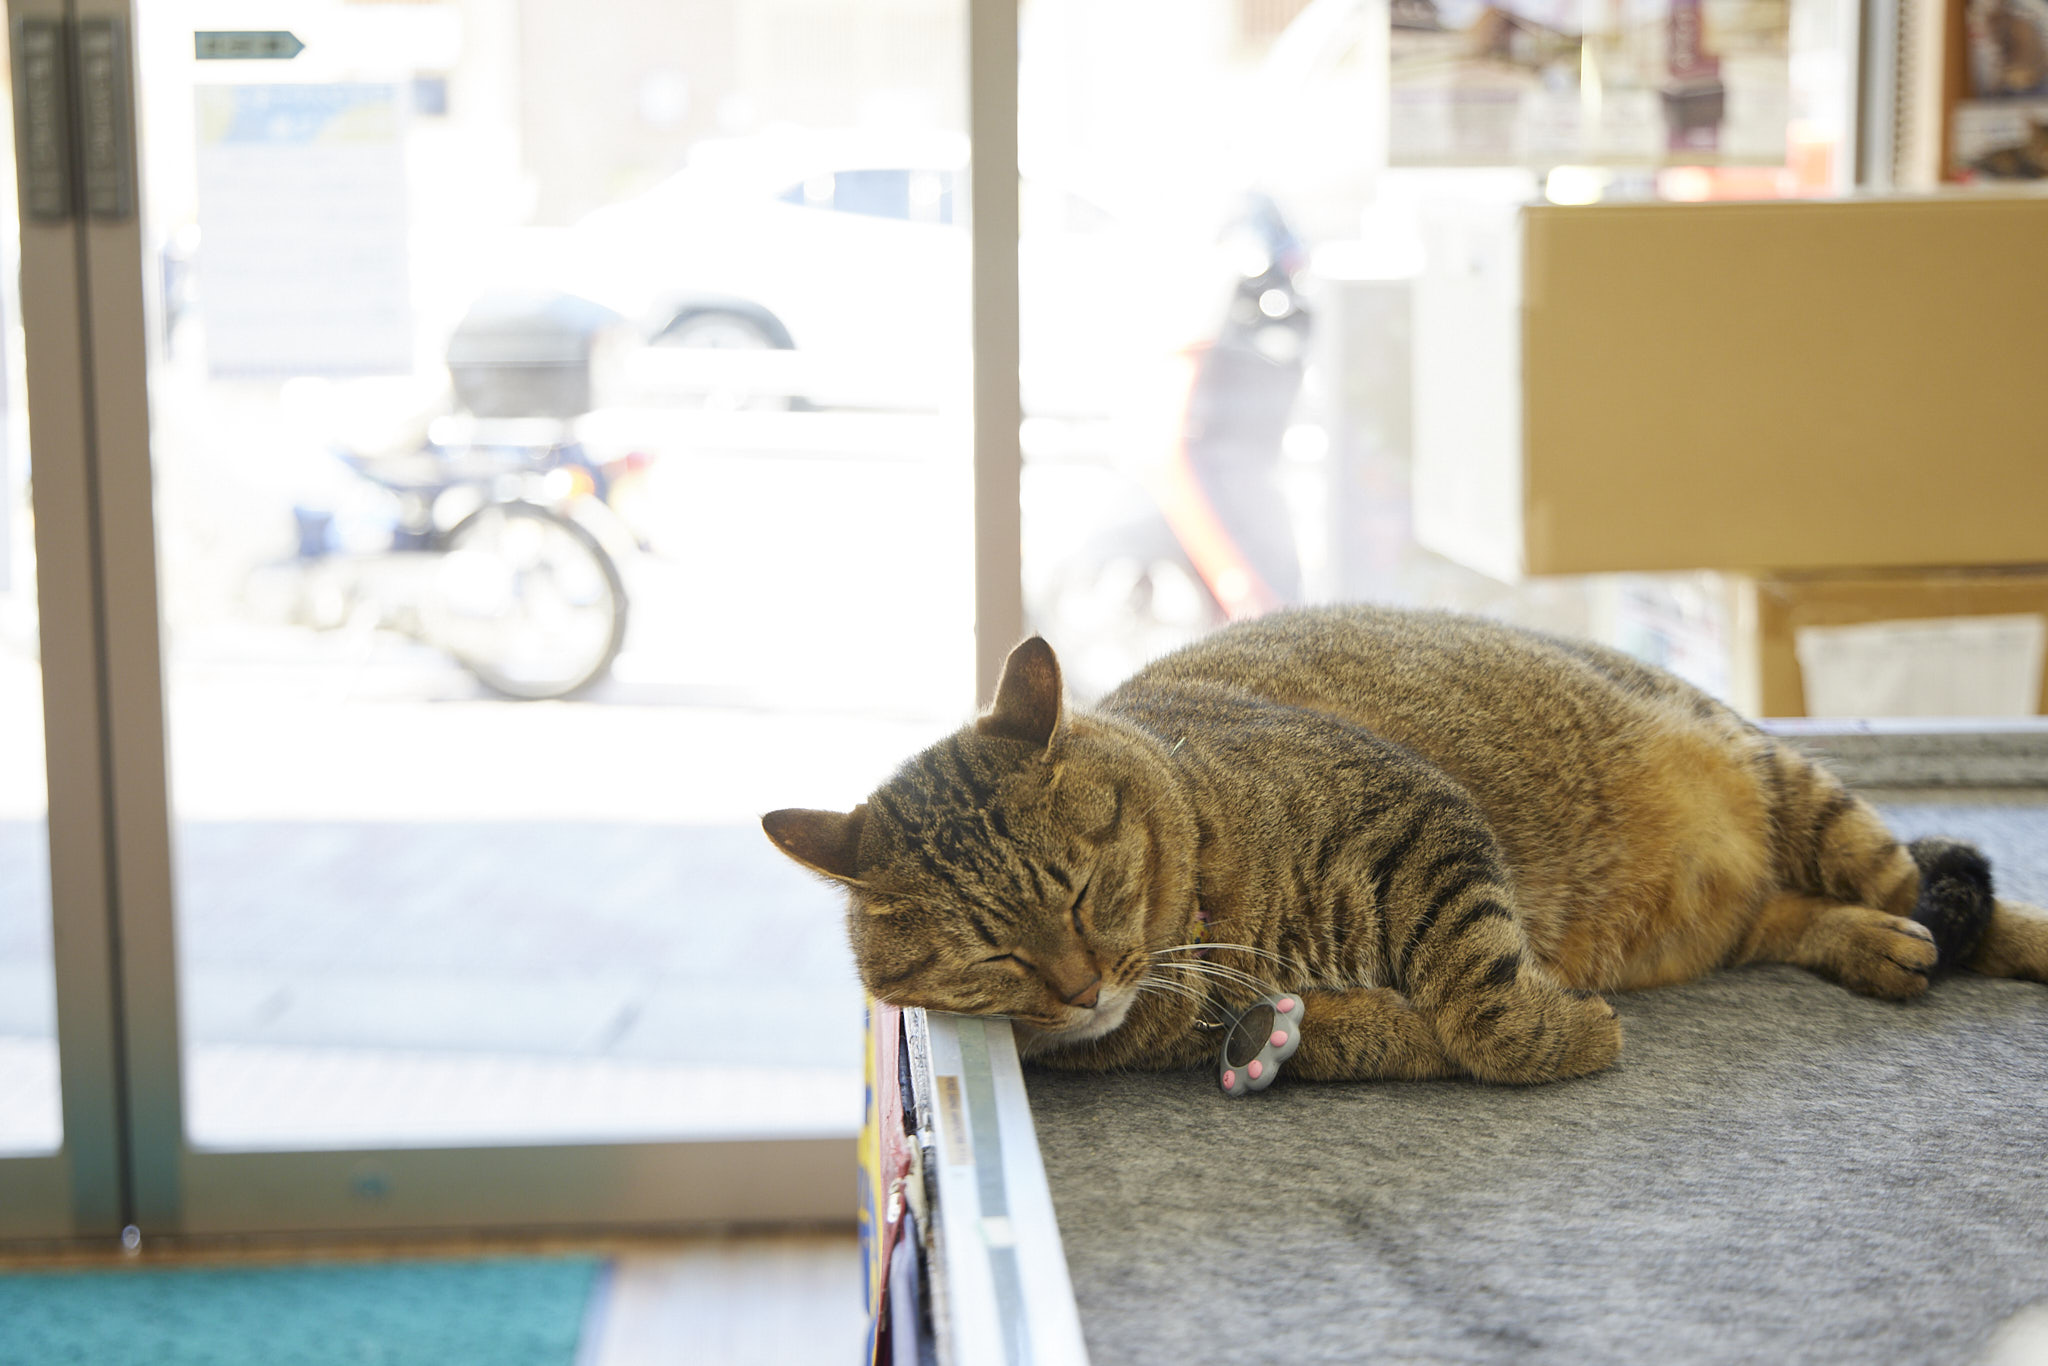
1265 1035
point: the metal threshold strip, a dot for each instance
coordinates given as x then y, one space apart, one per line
999 1286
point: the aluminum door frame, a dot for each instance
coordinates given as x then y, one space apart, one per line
79 1190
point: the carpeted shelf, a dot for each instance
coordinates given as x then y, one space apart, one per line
1777 1171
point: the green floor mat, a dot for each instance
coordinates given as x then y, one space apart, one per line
509 1311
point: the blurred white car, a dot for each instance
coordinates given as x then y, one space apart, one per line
833 268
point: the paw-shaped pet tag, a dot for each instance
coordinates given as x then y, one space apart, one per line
1265 1036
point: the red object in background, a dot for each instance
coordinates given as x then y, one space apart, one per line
1222 564
1698 184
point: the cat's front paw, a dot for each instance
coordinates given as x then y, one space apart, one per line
1539 1032
1595 1035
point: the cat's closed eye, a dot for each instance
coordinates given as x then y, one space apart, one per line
1074 911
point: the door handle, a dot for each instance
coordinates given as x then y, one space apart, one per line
42 119
106 128
74 125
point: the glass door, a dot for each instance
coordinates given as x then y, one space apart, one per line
557 454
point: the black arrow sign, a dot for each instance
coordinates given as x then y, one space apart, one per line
276 45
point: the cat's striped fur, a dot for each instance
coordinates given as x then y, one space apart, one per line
1449 836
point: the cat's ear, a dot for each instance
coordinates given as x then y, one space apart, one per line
824 841
1028 699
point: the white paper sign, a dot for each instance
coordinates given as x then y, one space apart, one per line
6 511
1949 666
302 230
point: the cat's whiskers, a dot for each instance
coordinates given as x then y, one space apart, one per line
1252 949
1235 986
1203 1003
1218 961
1220 971
1152 979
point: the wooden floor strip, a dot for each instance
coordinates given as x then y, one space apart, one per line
734 1301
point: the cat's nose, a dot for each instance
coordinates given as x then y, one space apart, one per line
1074 977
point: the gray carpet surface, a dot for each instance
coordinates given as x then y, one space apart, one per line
1776 1171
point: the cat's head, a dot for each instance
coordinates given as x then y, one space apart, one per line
1017 867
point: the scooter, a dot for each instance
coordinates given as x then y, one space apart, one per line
1210 538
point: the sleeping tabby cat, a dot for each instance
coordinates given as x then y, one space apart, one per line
1447 835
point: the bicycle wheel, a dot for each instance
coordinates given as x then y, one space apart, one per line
528 601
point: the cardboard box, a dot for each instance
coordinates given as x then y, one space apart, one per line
1767 386
1955 642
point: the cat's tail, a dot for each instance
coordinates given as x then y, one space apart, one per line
1955 900
2015 943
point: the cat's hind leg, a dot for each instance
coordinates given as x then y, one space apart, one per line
1832 848
1889 916
1863 948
